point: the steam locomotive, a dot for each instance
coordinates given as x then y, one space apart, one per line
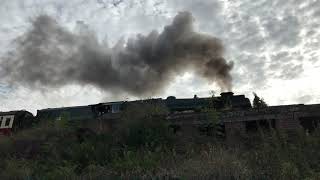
13 121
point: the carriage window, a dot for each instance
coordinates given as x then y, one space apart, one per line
7 123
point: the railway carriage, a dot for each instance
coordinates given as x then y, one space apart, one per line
13 120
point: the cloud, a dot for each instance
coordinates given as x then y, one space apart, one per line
283 32
304 99
271 43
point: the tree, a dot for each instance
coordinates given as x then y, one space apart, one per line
258 102
143 123
212 93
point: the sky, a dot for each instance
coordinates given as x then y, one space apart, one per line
273 44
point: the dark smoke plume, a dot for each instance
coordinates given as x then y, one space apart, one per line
48 55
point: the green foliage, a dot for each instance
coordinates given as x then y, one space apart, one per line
212 93
214 162
137 161
64 120
143 148
144 124
212 127
15 169
285 156
212 116
258 102
6 145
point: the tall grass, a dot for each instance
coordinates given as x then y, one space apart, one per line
143 147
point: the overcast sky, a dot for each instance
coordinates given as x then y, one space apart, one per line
274 45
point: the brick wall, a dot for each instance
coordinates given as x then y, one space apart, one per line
288 124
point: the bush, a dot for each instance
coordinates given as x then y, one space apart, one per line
144 124
144 147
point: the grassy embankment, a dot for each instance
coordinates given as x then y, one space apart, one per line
142 146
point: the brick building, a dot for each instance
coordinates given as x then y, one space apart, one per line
286 117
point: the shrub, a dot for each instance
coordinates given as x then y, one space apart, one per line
143 147
144 124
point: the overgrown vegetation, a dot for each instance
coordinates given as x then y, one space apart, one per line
258 102
143 147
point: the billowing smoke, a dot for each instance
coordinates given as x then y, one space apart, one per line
49 56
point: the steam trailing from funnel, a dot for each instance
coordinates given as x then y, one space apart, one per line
48 55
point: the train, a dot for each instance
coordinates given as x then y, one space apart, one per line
14 121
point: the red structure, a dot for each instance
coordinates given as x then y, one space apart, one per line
14 120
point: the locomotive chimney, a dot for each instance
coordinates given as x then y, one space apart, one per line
226 99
